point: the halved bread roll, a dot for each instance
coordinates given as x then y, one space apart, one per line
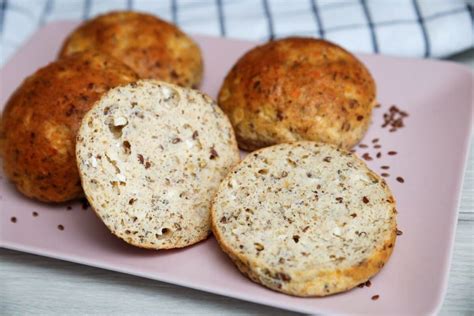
151 156
305 219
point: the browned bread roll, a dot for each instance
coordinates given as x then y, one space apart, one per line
41 119
153 48
298 89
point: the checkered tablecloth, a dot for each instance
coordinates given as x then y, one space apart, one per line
417 28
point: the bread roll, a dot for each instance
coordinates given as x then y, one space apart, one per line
150 46
305 219
298 89
151 156
40 121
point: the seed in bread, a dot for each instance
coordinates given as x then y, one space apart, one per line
298 89
40 121
151 156
154 48
306 219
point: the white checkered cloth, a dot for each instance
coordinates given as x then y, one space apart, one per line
416 28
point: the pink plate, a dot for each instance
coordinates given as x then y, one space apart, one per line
431 155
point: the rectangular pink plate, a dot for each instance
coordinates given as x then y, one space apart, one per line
431 154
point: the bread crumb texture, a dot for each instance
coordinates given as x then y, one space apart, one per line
296 89
306 219
40 121
151 156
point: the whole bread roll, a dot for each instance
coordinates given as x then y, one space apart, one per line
153 48
40 121
298 89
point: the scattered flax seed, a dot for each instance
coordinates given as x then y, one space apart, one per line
378 146
13 219
375 297
353 150
399 232
363 146
85 204
379 154
400 179
385 167
35 214
394 118
377 105
385 175
368 283
367 157
361 285
365 200
392 153
60 227
375 140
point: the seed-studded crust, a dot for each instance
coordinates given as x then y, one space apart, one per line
298 89
315 244
41 119
151 156
155 49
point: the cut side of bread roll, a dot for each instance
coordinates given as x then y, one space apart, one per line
306 219
151 156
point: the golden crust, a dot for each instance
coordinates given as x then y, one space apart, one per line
150 246
41 119
314 282
298 89
153 48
